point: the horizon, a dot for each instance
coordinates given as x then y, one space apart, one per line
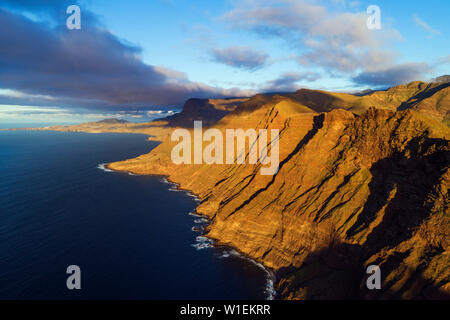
127 64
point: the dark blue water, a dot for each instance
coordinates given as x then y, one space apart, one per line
130 235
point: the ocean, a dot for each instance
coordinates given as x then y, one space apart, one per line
132 236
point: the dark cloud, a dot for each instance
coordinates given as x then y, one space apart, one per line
240 57
87 67
394 75
287 82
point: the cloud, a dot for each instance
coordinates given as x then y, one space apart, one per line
198 35
287 82
89 67
425 26
24 113
395 75
338 41
442 60
240 57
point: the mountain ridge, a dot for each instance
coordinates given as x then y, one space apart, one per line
336 203
363 180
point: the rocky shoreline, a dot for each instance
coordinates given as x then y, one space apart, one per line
208 242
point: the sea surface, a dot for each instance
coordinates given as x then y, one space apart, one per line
131 236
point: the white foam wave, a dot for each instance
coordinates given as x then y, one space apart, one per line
269 289
202 243
197 229
194 215
103 167
224 254
173 185
201 221
190 194
206 243
202 246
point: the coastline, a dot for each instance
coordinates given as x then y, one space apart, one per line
135 220
204 241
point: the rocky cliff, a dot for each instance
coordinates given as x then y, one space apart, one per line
357 185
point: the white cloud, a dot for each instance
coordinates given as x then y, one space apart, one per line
425 26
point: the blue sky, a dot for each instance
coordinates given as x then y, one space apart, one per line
179 34
134 56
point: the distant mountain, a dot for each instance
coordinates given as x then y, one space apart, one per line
209 111
445 78
112 121
432 99
364 92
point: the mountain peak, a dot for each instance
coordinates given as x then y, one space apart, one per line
112 121
442 79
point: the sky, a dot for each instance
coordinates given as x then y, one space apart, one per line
139 59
